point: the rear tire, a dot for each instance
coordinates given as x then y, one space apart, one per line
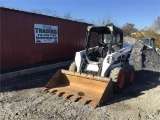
118 77
131 78
73 67
129 73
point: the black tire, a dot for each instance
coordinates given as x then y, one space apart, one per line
73 67
129 73
118 77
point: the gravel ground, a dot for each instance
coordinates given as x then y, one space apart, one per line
23 98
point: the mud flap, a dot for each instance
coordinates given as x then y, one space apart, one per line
86 88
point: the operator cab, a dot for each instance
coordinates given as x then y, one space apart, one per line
150 42
102 40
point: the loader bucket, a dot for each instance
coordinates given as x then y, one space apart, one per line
88 89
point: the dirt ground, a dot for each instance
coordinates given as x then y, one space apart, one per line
22 98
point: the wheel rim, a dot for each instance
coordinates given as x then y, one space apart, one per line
132 75
121 79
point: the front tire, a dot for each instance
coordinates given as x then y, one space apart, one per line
129 73
131 78
118 77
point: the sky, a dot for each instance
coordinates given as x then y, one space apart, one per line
142 13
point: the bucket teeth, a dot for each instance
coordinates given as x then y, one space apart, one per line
94 103
59 93
75 98
52 90
45 90
85 101
67 95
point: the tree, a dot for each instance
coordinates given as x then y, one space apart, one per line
47 12
156 24
55 14
36 11
50 12
80 20
67 16
128 29
105 20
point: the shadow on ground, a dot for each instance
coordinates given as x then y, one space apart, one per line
35 80
143 80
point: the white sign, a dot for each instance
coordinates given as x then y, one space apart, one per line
45 33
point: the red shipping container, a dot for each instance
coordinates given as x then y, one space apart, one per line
17 40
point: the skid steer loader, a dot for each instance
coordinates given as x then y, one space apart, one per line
104 67
150 44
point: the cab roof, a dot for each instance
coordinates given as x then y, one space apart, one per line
109 28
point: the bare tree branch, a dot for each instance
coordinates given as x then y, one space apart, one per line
105 20
55 14
156 24
36 11
47 12
80 20
67 16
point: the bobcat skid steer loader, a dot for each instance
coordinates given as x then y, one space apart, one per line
104 67
150 44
